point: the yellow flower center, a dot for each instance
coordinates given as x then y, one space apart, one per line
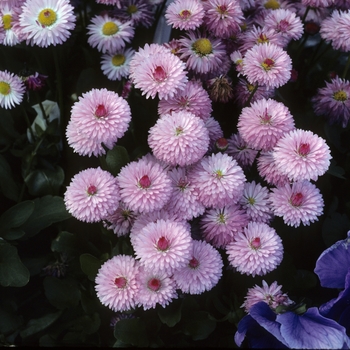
219 174
7 19
178 131
221 218
47 17
110 28
340 95
272 4
262 39
250 87
185 14
251 200
202 46
267 64
132 9
5 88
118 60
222 9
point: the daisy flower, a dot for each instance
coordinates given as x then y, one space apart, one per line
255 201
239 150
256 251
116 65
184 201
317 3
109 34
219 180
267 64
10 20
203 270
215 131
158 72
333 101
220 226
47 22
92 195
223 18
274 4
268 171
271 295
144 186
11 89
202 53
185 14
155 288
99 116
120 221
237 58
193 98
109 2
302 155
116 284
299 202
263 123
179 138
163 246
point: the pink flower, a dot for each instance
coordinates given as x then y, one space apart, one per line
11 90
300 202
179 138
155 70
99 116
267 64
220 226
116 284
203 269
317 3
271 295
109 34
302 155
223 17
163 246
10 32
185 14
215 131
219 180
184 201
144 186
91 195
193 98
256 251
263 123
255 201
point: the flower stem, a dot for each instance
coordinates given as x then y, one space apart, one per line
251 96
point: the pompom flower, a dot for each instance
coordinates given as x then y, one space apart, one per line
267 64
109 34
11 90
215 131
92 195
256 251
99 116
155 288
300 202
163 246
219 180
179 138
185 14
203 270
220 226
116 284
144 186
301 155
271 295
47 22
263 123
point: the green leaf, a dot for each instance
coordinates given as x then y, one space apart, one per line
90 265
7 185
198 325
16 216
65 243
7 130
48 210
61 293
39 324
12 272
116 158
9 318
12 234
43 182
170 315
131 331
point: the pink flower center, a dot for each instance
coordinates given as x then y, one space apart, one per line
183 101
120 282
91 190
182 184
221 143
194 263
101 111
296 199
179 130
255 243
283 26
159 74
268 64
185 14
222 9
145 181
154 284
262 39
265 118
304 149
163 244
